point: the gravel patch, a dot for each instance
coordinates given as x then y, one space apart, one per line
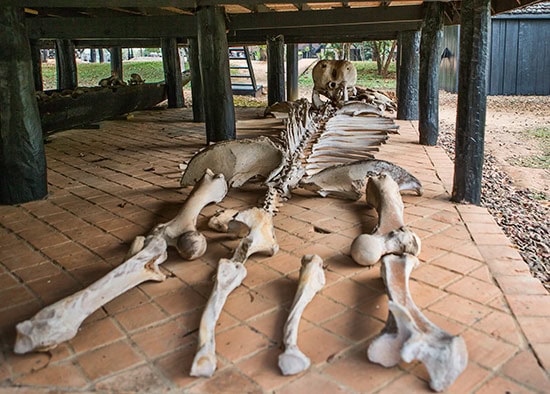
521 213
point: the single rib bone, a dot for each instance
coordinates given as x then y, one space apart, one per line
367 249
312 279
445 356
231 273
356 108
383 195
59 322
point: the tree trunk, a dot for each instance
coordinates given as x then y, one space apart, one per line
22 157
101 56
472 100
428 87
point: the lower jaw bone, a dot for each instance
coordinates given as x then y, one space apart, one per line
312 279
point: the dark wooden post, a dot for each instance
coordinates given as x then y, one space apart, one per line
275 69
407 75
116 61
428 79
472 100
196 82
216 83
291 72
36 56
65 65
172 72
22 158
93 57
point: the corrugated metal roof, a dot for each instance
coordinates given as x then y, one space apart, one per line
539 8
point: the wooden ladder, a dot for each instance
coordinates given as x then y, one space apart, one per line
242 83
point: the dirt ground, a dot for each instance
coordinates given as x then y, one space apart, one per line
508 123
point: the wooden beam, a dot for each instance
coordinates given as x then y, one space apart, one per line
113 27
472 101
334 17
275 69
382 31
407 75
100 3
196 82
22 158
292 72
428 79
65 65
216 82
36 65
172 73
116 61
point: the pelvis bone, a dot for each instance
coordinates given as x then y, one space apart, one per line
312 279
238 161
409 335
60 321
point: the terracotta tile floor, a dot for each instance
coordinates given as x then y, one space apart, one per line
109 185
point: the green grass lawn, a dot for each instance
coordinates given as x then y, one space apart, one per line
89 74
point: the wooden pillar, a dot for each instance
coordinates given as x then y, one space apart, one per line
22 158
196 82
116 61
292 72
407 75
428 79
65 65
472 100
93 57
36 57
214 66
172 72
275 69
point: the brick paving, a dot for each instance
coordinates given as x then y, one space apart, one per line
109 185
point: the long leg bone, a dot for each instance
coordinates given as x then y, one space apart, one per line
230 274
312 279
367 249
445 356
383 194
391 235
60 321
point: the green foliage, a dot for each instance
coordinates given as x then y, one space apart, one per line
89 74
367 77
